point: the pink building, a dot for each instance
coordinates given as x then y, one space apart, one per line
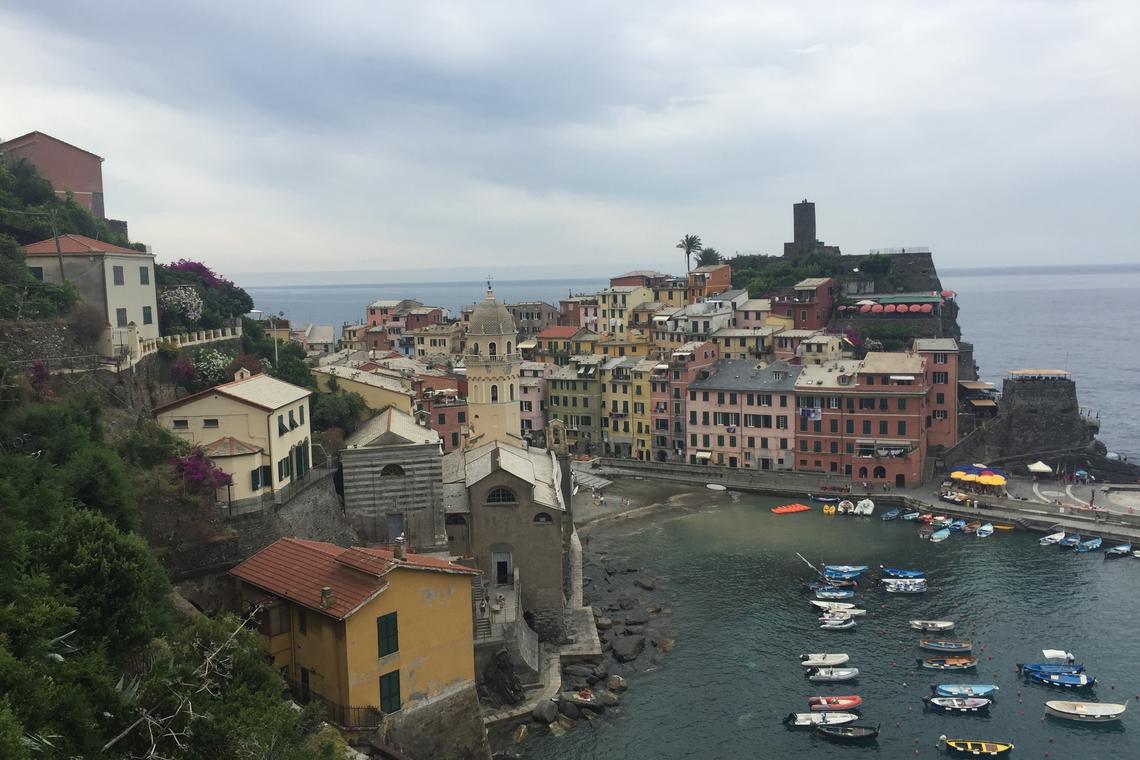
941 356
669 391
532 399
741 415
446 414
66 167
579 311
752 312
811 305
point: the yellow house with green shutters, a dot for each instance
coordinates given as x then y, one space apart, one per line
368 632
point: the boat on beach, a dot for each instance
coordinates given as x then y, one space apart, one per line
824 704
958 704
944 645
1116 552
1085 712
985 531
804 720
932 625
891 514
851 734
940 535
948 663
974 746
985 690
1052 538
824 659
898 572
1091 545
831 675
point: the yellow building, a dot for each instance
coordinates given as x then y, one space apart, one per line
617 406
370 629
378 388
493 367
255 428
615 305
641 421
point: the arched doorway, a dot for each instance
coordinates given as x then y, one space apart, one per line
862 473
880 472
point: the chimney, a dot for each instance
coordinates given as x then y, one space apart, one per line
242 374
326 597
398 548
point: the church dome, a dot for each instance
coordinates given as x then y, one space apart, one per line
491 318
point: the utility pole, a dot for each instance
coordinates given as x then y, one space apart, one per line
58 249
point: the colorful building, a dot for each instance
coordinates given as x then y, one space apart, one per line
709 280
641 418
575 397
69 169
744 342
617 406
615 303
942 356
558 343
811 304
533 386
669 392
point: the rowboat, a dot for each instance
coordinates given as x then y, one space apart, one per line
852 734
948 663
905 585
1062 680
939 536
896 572
964 690
834 593
985 531
925 517
832 606
891 514
1085 712
974 746
842 575
912 515
932 625
831 675
842 624
1026 668
1052 538
1004 526
1070 541
802 720
1090 545
825 704
823 499
787 509
957 526
823 659
1123 550
844 568
972 527
846 507
958 704
943 645
831 583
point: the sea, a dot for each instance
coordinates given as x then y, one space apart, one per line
1080 320
729 582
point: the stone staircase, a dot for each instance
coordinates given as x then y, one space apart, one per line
478 595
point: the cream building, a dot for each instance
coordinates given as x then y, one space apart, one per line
493 365
255 428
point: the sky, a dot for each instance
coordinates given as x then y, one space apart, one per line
306 142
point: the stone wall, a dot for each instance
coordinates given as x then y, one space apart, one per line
32 340
416 495
448 728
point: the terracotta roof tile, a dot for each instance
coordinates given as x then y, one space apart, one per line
78 245
559 331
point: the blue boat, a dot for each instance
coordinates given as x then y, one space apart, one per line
965 690
940 535
823 499
891 514
1071 541
1049 667
1062 680
1123 550
912 515
834 593
958 526
843 575
984 531
897 572
1089 546
845 568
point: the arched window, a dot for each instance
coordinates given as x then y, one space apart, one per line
392 470
501 495
508 348
863 473
543 518
475 348
512 387
492 349
494 391
880 472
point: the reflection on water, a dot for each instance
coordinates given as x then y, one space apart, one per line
732 580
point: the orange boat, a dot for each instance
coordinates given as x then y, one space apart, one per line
789 508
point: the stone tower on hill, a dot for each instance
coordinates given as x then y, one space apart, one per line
804 241
493 366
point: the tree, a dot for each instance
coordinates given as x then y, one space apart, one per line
690 244
708 257
337 410
22 296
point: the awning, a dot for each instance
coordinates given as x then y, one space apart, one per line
1040 468
661 366
704 455
528 344
661 318
902 377
975 385
985 402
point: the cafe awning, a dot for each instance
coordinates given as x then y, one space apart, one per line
982 402
1040 468
704 455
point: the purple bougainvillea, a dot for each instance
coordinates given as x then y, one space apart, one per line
199 473
209 278
182 372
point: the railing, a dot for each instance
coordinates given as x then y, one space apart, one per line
149 346
340 715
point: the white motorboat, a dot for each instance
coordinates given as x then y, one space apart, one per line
823 659
832 605
853 612
1085 712
832 675
1052 538
820 719
932 625
865 507
837 624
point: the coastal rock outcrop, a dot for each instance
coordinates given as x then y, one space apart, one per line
627 648
545 711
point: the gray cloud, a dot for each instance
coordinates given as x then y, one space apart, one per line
377 135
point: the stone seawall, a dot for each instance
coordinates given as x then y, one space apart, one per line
448 728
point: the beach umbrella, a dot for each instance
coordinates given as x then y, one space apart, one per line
991 480
865 302
903 308
927 308
957 475
969 477
890 308
948 294
865 308
877 309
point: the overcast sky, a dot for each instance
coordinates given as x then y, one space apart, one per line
587 137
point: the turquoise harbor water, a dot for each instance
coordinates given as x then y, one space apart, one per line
731 583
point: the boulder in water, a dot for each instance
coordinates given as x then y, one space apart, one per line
627 648
545 711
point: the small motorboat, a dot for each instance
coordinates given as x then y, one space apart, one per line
944 645
985 690
1116 552
831 606
932 625
891 514
831 583
834 593
958 704
940 521
1070 541
1085 712
842 575
984 531
940 535
972 527
823 659
1090 545
844 568
905 585
850 734
826 704
948 663
897 572
823 499
865 507
831 675
908 516
974 746
1062 680
957 526
1052 538
837 624
804 720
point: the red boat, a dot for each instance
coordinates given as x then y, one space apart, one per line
828 704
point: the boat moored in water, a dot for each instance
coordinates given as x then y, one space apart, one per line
1061 680
985 690
944 645
905 585
1085 712
851 734
974 746
804 720
898 572
891 514
948 663
972 527
844 568
932 625
823 659
824 704
957 526
837 624
958 704
1091 545
1116 552
1070 541
985 531
940 535
1052 538
908 516
834 593
831 675
1049 667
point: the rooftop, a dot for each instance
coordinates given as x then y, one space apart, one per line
811 283
828 374
744 332
745 375
261 391
373 379
756 304
391 427
229 447
78 245
708 268
893 363
728 295
536 467
559 332
935 344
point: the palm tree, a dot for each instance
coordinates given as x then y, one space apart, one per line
708 256
690 244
